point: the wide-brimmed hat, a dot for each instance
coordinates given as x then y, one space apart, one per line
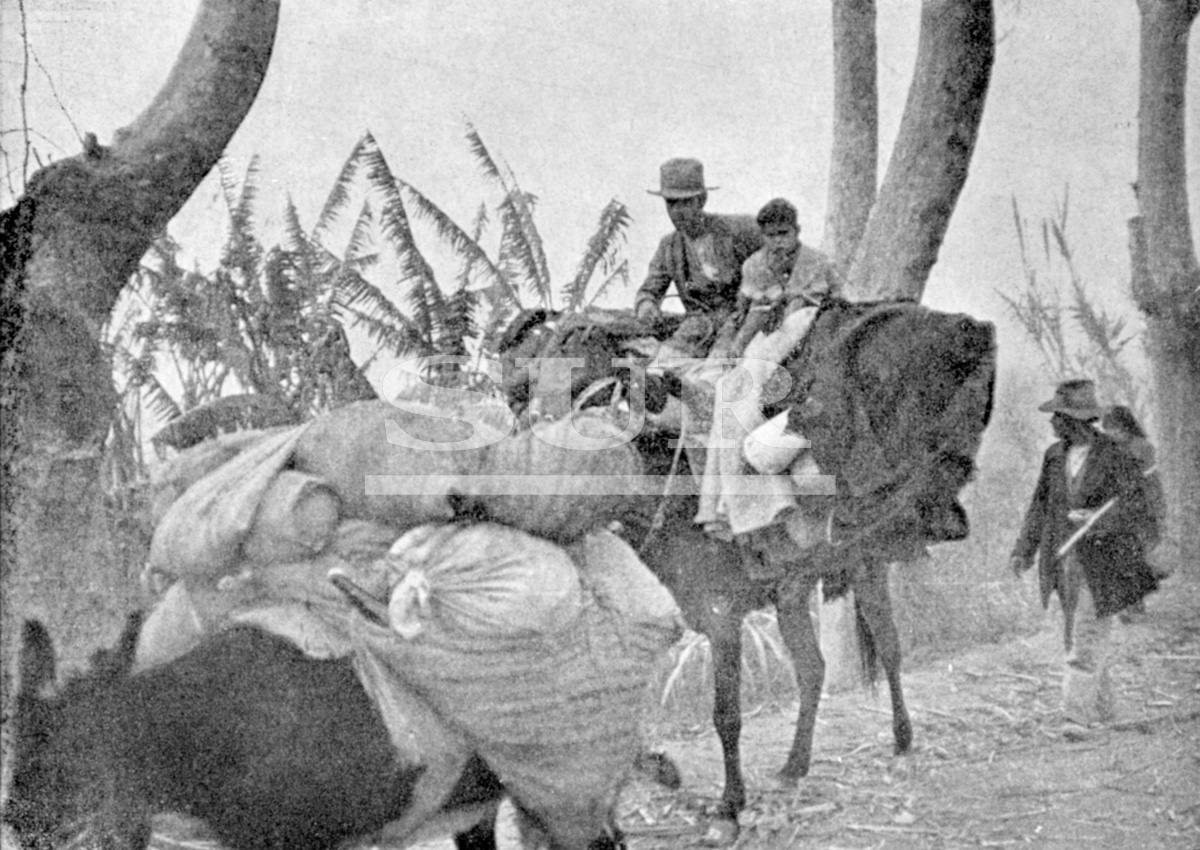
681 178
1076 398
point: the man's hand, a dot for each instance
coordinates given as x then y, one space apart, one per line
648 312
1018 565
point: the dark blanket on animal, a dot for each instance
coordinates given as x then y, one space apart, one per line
894 398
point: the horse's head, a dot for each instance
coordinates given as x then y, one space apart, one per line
61 793
894 399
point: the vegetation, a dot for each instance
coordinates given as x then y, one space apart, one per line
1073 334
264 338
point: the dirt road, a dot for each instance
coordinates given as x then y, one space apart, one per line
988 768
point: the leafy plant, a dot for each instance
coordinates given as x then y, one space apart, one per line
263 338
259 341
1072 333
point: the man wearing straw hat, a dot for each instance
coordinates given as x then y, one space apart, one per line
702 257
1086 522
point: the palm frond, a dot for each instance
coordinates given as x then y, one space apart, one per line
360 238
459 325
339 195
466 245
295 239
523 205
159 401
242 250
393 218
518 252
249 194
522 255
400 340
487 163
362 300
621 273
601 250
230 190
425 311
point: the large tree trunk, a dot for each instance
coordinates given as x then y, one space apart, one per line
1166 275
933 151
852 177
853 167
71 243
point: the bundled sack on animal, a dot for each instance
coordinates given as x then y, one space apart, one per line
401 465
249 498
552 704
562 478
539 656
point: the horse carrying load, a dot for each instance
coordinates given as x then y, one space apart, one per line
893 399
474 575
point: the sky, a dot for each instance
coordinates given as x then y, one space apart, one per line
585 100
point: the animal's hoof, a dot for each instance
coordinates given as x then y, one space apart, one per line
721 833
787 779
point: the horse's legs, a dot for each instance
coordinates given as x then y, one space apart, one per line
796 627
725 638
875 604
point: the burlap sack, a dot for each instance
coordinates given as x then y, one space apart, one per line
171 479
620 581
396 465
561 479
296 519
202 533
485 580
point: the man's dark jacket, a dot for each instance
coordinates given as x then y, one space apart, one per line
1112 554
736 237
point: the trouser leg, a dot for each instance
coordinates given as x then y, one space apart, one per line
1087 687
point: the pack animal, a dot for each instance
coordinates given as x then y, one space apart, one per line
271 748
882 384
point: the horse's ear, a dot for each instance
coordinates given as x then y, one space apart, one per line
36 666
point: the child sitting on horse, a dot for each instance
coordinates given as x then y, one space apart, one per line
783 285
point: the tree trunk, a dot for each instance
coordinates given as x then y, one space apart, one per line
1165 272
853 167
71 243
933 151
852 177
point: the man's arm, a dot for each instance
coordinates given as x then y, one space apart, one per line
1035 520
658 279
818 282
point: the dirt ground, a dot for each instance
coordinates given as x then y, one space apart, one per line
987 769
